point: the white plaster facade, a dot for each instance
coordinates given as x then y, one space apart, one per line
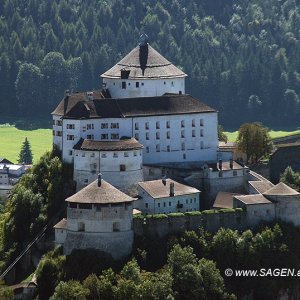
168 138
122 169
138 87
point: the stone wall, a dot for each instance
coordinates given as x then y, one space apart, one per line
159 226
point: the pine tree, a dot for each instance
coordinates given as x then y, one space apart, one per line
25 156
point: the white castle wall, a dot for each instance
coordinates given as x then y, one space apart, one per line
146 87
87 165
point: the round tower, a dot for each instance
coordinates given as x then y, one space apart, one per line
143 73
98 217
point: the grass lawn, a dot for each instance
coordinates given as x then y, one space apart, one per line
232 136
11 140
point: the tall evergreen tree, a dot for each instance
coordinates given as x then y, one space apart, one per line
25 156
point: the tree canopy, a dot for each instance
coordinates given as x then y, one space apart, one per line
254 140
25 156
241 56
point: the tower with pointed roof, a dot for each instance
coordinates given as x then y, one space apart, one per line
143 73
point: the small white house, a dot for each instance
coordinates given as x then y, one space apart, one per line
100 217
120 162
166 196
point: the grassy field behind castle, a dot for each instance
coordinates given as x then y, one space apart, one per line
11 139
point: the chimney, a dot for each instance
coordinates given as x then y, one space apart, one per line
99 179
172 193
220 164
231 163
164 180
143 55
90 95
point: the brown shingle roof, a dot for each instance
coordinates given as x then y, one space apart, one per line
156 189
93 145
224 200
62 224
261 186
281 189
104 194
77 106
253 199
156 66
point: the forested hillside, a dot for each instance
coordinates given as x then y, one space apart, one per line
242 56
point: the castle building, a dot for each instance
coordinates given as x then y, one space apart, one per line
166 196
120 162
100 217
143 98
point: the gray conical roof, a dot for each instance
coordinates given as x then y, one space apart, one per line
156 66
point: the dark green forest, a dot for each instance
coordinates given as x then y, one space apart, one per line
242 56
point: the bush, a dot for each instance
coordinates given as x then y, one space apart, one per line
193 213
172 215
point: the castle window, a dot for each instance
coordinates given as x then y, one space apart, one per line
147 135
123 85
72 205
86 181
81 226
104 125
90 136
70 126
183 146
193 133
128 83
158 204
53 132
201 145
168 135
114 125
104 136
59 123
172 83
164 204
90 126
126 154
115 155
103 155
193 123
70 152
168 148
70 137
122 168
234 173
114 136
136 126
58 133
201 122
168 124
220 173
116 226
182 124
93 154
158 148
182 134
137 84
134 153
201 132
186 201
146 205
83 154
98 207
147 125
157 125
147 149
136 136
164 83
157 135
85 206
169 203
184 156
142 83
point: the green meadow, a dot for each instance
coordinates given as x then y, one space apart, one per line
232 135
11 140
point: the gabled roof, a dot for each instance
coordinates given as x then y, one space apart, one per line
224 200
156 189
253 199
261 186
121 145
281 189
147 58
104 194
62 224
5 161
77 106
